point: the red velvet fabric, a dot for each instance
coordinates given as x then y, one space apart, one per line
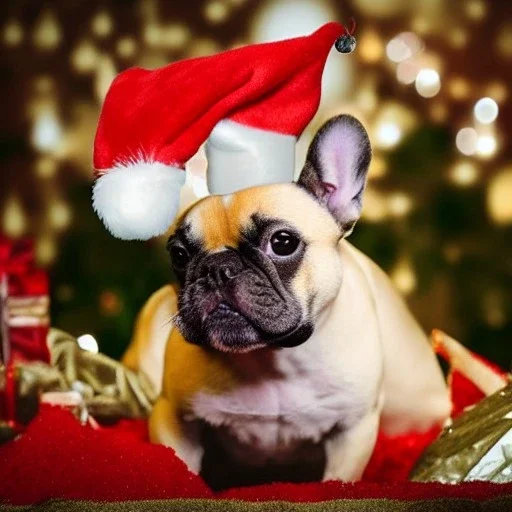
58 458
166 114
463 392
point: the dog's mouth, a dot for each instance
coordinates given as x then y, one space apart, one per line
229 330
227 312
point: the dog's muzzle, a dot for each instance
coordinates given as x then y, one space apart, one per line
234 303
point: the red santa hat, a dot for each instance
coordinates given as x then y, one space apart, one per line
152 122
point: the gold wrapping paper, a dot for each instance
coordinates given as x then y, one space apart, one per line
109 389
476 446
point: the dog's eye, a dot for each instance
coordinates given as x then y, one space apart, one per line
179 256
284 243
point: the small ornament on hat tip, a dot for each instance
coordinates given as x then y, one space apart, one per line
347 42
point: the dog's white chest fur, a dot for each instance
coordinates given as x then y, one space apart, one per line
272 415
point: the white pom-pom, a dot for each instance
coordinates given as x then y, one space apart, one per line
138 200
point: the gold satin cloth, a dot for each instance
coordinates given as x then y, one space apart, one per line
476 446
109 389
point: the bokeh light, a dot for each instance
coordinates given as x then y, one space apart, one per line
466 141
486 146
399 204
497 90
421 25
378 168
105 73
13 33
102 24
458 37
459 88
47 131
46 249
493 308
46 167
403 47
382 8
428 82
403 276
110 303
504 41
14 221
216 11
370 47
464 173
438 112
407 71
499 194
126 47
486 110
59 215
375 207
387 135
47 32
85 57
202 47
175 36
152 34
391 123
475 9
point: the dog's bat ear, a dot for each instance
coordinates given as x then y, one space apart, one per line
336 168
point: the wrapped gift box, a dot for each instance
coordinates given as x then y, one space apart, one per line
24 317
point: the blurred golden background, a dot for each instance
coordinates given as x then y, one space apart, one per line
431 80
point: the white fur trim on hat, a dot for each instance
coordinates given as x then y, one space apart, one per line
241 156
138 200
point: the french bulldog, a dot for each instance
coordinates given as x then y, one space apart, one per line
288 348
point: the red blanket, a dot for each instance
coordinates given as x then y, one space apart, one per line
58 458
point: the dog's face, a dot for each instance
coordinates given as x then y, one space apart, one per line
257 267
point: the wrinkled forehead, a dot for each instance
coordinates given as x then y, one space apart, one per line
219 221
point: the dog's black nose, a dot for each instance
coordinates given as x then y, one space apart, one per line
221 266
